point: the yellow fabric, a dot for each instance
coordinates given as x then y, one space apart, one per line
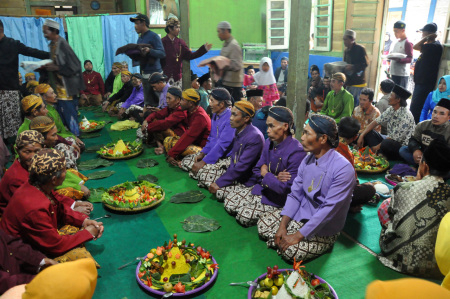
32 84
42 88
71 192
42 124
117 64
170 142
31 102
126 73
360 85
67 230
405 288
124 125
75 254
246 107
78 174
75 280
28 74
191 95
442 251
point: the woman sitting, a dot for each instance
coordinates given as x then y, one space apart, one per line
443 91
36 211
121 96
274 172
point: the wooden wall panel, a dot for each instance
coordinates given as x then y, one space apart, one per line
338 26
106 6
12 7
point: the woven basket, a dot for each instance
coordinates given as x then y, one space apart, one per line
97 129
124 157
372 171
135 210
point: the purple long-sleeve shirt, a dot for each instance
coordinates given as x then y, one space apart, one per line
163 97
285 156
321 194
247 147
219 140
136 97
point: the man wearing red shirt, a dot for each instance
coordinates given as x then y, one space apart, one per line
95 88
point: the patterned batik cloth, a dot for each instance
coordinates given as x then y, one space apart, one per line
236 196
209 173
10 118
70 154
305 250
408 240
170 142
174 83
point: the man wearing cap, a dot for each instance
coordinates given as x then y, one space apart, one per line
219 141
95 88
273 173
36 211
204 89
146 36
65 75
408 239
10 118
256 98
247 144
400 67
29 77
438 127
233 76
338 102
281 74
135 101
122 95
356 57
400 126
198 129
117 83
177 51
426 68
159 86
317 206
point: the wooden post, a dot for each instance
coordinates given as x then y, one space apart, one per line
298 62
184 16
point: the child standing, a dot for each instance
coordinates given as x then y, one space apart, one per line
266 81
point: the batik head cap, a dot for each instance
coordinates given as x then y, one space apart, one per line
172 22
51 24
350 33
29 74
42 88
444 103
127 73
42 124
284 115
32 84
224 25
47 161
29 137
221 95
246 107
175 91
31 102
324 124
437 155
339 76
191 95
118 64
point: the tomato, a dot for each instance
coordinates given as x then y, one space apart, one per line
315 282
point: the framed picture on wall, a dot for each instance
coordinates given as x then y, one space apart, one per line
159 11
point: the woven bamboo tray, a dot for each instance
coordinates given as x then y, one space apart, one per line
135 210
372 171
97 129
123 157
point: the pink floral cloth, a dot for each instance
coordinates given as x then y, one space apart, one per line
270 94
383 215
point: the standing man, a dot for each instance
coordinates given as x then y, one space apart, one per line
141 25
177 51
233 76
95 89
281 75
356 57
426 69
10 119
65 76
400 66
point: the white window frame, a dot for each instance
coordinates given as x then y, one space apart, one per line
326 48
286 27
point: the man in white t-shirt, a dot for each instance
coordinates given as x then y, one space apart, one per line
400 66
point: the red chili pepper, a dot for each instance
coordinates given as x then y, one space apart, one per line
149 282
141 274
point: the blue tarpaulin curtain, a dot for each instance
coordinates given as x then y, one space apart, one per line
28 30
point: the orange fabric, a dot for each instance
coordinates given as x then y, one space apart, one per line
405 288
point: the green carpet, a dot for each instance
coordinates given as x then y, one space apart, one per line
241 255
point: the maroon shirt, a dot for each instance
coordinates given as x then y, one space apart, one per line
171 67
175 119
11 181
94 83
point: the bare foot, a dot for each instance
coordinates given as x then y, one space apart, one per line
159 151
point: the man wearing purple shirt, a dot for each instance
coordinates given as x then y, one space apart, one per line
316 209
219 141
274 172
136 99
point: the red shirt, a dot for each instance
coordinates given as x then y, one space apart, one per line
177 49
345 151
10 182
31 216
199 127
94 83
175 119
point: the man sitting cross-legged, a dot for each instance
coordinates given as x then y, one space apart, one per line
316 209
247 145
274 172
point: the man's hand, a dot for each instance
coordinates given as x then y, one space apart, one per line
208 46
376 148
94 227
83 207
76 147
145 50
48 262
289 240
79 142
105 105
52 67
106 96
281 232
417 155
213 188
144 126
264 170
360 142
121 112
431 36
284 176
199 157
197 166
87 193
172 161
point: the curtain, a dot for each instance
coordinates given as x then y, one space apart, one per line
28 31
117 31
85 38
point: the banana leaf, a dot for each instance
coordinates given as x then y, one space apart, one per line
144 163
94 148
94 163
100 174
200 224
147 177
89 135
188 197
96 194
